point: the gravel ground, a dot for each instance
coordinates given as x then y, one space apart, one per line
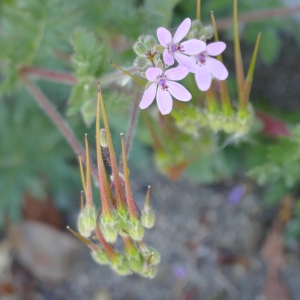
210 249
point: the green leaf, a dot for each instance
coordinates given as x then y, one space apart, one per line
270 44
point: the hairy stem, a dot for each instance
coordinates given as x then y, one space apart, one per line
258 16
57 120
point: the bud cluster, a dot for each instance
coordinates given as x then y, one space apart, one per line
147 55
192 119
119 214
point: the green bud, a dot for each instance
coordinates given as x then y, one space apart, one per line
230 125
160 48
148 218
206 32
135 230
139 49
86 222
149 272
141 62
100 257
150 42
103 138
109 232
141 39
81 227
216 122
194 32
155 258
136 263
121 266
159 65
122 219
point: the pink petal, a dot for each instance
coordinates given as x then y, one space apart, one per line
164 36
168 58
186 61
177 73
164 101
153 73
215 48
178 91
148 96
203 78
193 46
182 30
216 68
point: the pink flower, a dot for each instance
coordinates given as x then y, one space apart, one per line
163 87
175 49
206 66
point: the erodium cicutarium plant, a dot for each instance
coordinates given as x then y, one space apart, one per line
191 55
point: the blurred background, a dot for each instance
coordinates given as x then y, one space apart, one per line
228 227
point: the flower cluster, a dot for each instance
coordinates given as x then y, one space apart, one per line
192 56
119 214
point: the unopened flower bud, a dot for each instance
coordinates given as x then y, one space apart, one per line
100 257
139 49
136 263
148 218
81 227
135 230
86 222
194 32
121 266
141 62
103 138
207 32
155 256
216 122
122 219
160 48
229 125
149 272
109 232
150 42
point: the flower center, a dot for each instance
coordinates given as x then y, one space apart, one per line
163 83
201 57
174 48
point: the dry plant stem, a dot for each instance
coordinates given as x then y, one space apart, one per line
129 198
57 120
84 240
101 168
198 9
106 246
132 124
114 166
81 173
224 89
249 78
81 201
237 53
226 23
88 185
147 198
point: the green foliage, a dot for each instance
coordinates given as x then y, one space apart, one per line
33 158
281 162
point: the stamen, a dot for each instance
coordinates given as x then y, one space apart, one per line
201 58
163 83
175 48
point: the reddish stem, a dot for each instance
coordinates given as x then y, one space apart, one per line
57 120
258 15
61 77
